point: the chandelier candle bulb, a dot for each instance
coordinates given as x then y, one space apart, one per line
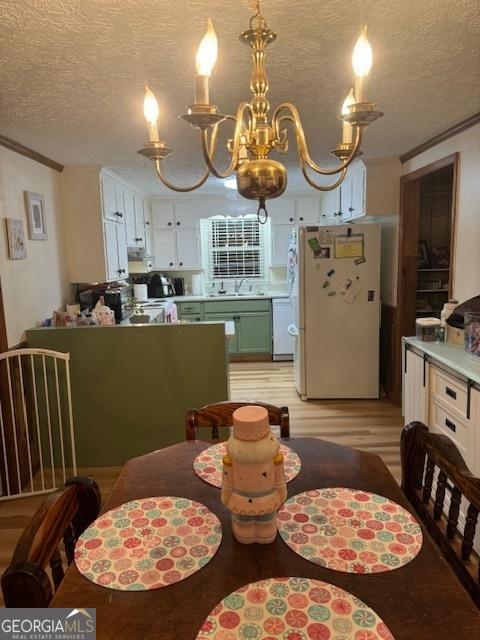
362 61
150 110
205 61
347 129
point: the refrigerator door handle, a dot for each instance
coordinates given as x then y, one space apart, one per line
292 330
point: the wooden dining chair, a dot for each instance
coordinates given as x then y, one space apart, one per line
431 461
64 515
215 416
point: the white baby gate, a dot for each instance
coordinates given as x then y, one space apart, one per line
36 422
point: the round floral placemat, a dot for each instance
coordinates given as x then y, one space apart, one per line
148 543
292 609
349 530
208 464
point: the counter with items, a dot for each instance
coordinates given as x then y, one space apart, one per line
132 384
441 388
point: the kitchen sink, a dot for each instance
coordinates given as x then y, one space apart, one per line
235 295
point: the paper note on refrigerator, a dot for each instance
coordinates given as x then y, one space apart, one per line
349 246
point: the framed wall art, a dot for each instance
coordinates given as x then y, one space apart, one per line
17 249
35 205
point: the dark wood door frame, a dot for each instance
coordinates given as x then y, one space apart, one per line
408 255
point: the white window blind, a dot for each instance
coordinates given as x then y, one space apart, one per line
235 248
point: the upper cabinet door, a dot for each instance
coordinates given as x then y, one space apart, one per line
188 214
111 250
280 242
122 250
164 249
120 200
139 221
162 215
346 198
130 218
188 249
147 213
281 210
109 200
358 193
308 210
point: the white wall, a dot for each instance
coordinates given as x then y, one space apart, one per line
466 282
34 287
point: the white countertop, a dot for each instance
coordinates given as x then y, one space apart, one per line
248 296
450 355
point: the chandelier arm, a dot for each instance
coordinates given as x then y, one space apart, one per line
319 187
209 148
291 119
302 142
169 185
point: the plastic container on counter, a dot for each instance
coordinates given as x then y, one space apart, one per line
426 329
472 332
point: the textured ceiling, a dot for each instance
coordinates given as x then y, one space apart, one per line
72 72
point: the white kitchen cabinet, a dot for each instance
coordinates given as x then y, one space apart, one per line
188 249
371 187
281 210
115 250
356 206
280 239
415 388
443 399
164 249
187 214
177 249
96 205
163 216
112 200
307 210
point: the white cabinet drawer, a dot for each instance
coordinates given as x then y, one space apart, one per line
450 391
461 433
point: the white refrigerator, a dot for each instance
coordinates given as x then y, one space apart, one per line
334 285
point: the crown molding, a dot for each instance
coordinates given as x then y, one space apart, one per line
441 137
13 145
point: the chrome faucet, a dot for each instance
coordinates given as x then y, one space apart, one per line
238 285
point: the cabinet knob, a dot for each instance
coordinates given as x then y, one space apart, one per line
351 209
178 223
147 223
291 219
171 264
169 224
301 219
181 264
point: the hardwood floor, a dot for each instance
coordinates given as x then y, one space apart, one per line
370 425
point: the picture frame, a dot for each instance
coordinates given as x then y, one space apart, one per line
423 257
17 247
35 205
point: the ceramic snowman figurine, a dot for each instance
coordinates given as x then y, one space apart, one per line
253 481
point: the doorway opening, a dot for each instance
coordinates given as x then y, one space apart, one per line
426 251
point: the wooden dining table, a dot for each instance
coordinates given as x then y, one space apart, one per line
422 600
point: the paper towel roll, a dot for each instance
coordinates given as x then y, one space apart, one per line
197 284
140 292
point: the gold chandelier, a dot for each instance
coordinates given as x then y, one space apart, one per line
258 176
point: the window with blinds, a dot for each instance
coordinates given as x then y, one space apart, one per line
235 248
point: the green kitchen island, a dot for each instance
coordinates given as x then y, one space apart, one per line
132 385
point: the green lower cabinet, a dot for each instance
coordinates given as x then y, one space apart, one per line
224 317
192 317
254 333
252 319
